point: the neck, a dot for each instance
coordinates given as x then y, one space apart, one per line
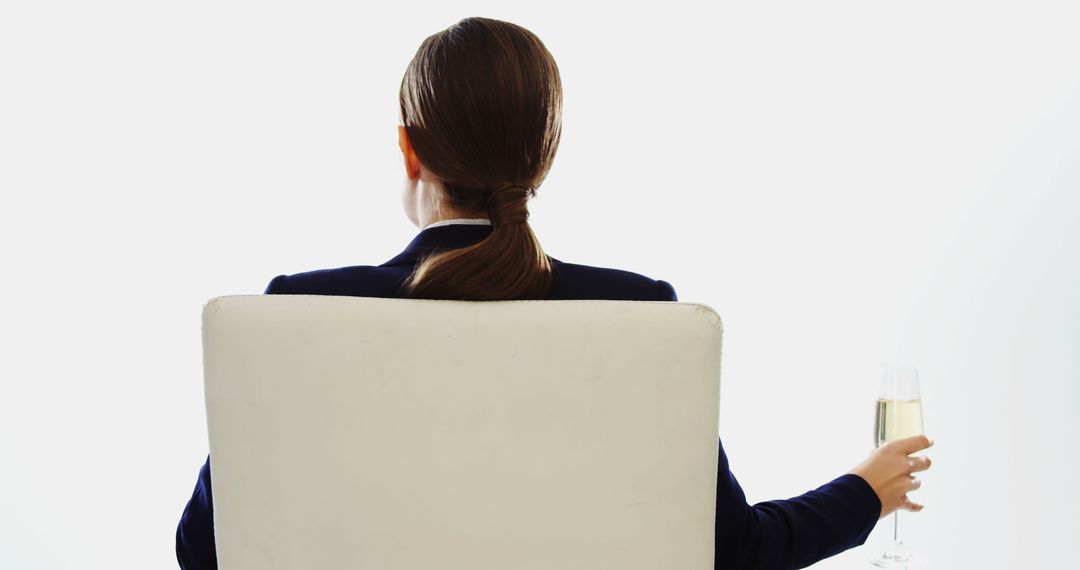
432 206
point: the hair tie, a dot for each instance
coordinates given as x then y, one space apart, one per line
510 186
507 204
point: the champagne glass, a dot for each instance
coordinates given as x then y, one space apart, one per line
899 415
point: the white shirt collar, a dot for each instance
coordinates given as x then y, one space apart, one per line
469 221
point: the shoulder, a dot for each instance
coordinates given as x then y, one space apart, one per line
356 280
569 281
577 281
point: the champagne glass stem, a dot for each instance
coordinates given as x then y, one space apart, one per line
896 530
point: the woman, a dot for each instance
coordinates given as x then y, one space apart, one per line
481 110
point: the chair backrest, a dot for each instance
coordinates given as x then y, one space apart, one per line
390 434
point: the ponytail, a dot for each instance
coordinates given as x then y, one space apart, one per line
508 264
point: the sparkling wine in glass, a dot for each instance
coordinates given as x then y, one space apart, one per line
898 415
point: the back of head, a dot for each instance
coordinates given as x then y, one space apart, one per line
482 104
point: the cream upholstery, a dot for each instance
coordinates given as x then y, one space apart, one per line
387 434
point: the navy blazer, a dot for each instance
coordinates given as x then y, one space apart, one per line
782 534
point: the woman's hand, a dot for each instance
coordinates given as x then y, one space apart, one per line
889 470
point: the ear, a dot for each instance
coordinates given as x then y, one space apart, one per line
412 163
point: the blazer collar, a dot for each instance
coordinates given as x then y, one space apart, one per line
450 236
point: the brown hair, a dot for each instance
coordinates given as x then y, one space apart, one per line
482 104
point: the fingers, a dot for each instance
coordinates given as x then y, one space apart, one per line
890 472
916 464
914 443
909 505
905 502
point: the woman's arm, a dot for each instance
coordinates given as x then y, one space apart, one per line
839 515
195 546
791 533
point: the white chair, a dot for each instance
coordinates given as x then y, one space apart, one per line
393 434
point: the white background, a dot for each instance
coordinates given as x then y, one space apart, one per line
845 182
